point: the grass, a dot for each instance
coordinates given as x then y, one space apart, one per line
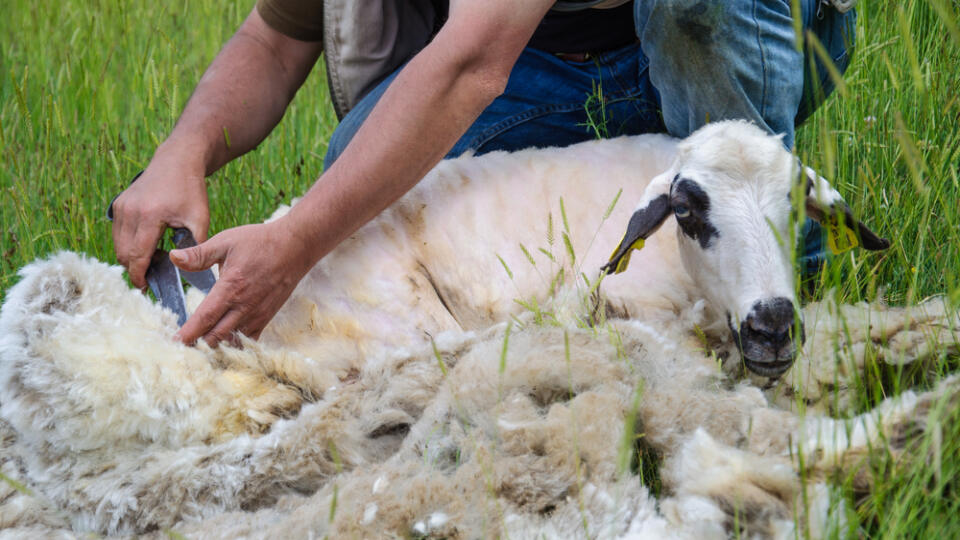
87 90
891 144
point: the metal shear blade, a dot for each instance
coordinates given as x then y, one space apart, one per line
164 277
164 280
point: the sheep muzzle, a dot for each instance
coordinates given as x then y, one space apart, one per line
766 336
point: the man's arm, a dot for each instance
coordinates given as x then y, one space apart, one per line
430 104
240 98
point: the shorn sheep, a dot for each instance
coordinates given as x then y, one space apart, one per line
458 369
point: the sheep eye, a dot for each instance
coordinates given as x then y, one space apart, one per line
681 210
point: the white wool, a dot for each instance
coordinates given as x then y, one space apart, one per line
403 389
706 478
369 513
843 339
437 520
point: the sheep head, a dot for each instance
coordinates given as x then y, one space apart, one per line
730 190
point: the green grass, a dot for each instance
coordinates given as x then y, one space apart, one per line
87 90
891 144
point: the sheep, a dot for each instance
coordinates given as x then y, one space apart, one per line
451 409
733 180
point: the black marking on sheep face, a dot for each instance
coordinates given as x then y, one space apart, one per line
691 206
765 338
643 223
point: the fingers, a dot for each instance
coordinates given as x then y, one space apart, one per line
134 243
217 321
199 229
225 330
218 315
170 193
207 316
137 269
258 273
199 257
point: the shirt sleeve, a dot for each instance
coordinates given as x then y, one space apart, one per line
299 19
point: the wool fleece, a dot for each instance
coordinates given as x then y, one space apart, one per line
524 429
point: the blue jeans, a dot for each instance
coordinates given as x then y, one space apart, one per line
694 61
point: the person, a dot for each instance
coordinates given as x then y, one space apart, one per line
495 75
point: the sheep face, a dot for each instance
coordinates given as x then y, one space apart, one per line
730 195
730 190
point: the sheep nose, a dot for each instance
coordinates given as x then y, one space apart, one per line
766 336
772 321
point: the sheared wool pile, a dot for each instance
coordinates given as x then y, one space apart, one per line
522 429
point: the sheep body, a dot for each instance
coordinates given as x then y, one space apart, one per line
437 260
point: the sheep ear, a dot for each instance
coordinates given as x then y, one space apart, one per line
646 219
844 232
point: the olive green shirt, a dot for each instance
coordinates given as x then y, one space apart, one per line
299 19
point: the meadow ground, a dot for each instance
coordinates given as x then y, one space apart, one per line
88 89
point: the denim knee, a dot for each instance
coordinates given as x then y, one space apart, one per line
713 60
696 22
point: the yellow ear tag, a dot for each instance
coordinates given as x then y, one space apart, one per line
840 238
625 260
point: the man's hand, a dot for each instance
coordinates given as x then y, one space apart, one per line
169 193
260 265
240 98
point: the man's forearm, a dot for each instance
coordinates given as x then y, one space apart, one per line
242 95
